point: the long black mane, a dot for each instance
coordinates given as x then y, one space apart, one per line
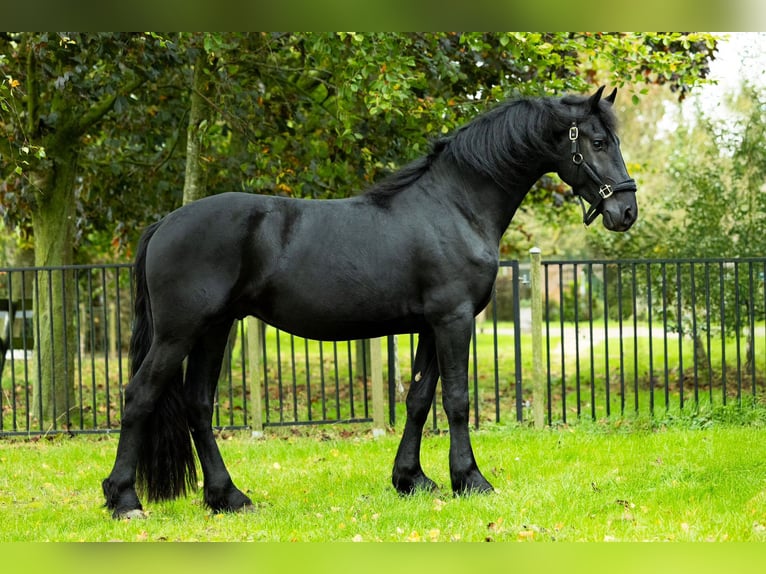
500 143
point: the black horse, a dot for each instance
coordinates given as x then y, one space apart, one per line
416 253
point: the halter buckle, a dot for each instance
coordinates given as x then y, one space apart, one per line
574 133
605 191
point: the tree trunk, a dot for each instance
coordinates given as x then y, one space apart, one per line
194 175
700 354
194 180
22 257
54 224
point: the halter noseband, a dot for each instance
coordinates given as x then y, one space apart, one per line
604 189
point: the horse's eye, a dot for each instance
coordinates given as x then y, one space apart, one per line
598 145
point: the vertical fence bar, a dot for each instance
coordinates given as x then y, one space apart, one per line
38 353
495 356
620 326
763 282
337 379
350 378
106 329
294 378
118 315
651 336
750 354
576 305
666 372
79 335
722 300
635 336
392 357
738 332
309 400
91 340
592 345
517 343
679 322
561 345
474 355
26 337
546 308
695 333
322 381
8 347
52 334
607 389
709 348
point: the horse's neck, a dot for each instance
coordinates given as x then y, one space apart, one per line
493 206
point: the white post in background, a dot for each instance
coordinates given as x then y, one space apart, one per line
378 388
254 350
538 378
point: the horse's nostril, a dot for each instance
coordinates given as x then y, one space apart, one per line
628 215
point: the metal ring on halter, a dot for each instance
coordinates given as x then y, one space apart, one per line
577 158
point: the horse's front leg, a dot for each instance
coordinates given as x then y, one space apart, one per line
408 475
453 338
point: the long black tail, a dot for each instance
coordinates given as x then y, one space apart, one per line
166 463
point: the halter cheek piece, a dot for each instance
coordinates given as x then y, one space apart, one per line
604 189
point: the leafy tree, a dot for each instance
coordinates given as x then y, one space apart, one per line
94 126
710 203
60 89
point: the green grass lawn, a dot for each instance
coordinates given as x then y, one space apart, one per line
591 482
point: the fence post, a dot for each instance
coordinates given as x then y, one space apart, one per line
254 349
378 388
538 379
113 318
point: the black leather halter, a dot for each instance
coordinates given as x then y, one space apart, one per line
604 189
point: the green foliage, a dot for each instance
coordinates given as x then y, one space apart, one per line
74 96
717 208
297 114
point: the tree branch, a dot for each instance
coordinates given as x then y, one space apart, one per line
103 107
33 93
7 150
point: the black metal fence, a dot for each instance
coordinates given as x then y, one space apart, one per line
626 337
646 335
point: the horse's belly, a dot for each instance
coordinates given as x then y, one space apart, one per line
334 329
326 312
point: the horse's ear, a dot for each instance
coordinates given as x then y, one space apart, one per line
610 98
595 99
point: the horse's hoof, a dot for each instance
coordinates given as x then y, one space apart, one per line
134 514
233 500
473 484
246 509
407 486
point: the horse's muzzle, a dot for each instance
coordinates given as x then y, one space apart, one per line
619 217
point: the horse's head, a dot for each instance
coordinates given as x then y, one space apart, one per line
591 162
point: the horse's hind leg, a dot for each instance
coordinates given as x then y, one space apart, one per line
408 475
202 371
157 370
